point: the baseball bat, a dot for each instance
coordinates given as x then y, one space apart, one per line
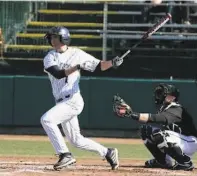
150 32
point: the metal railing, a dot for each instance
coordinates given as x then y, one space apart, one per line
117 34
15 15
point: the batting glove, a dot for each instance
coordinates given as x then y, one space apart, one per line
117 61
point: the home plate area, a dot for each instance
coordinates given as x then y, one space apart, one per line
84 167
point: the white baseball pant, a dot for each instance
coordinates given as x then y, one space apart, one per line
65 113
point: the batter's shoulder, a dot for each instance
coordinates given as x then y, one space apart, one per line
74 49
50 54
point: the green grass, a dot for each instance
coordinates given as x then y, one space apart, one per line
44 148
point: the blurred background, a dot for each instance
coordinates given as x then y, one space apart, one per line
105 29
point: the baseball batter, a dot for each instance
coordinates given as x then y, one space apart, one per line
63 66
174 138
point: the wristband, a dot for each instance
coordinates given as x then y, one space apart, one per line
78 67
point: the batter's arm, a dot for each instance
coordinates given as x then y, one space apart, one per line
115 63
61 73
105 65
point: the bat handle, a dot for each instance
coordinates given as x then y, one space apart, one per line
125 54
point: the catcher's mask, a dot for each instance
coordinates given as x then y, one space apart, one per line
61 31
162 90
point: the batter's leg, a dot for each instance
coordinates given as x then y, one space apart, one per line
72 131
50 121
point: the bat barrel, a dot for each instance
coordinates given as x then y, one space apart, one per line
158 25
152 30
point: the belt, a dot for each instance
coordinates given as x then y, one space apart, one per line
61 99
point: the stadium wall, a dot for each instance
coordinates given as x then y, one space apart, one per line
23 100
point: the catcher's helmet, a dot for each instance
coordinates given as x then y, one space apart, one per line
162 90
60 31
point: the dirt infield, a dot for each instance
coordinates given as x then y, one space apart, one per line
41 166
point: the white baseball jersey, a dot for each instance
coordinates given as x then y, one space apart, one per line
66 112
73 56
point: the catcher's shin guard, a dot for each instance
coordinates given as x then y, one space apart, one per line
171 149
159 156
153 163
159 160
183 162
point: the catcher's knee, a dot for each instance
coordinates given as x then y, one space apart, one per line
159 139
146 132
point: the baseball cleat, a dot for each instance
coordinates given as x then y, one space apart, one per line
112 158
187 166
153 163
65 159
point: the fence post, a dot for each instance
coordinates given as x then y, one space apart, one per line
1 44
105 10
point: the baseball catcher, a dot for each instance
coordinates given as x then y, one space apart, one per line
176 137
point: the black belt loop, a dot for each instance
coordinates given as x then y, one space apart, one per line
61 99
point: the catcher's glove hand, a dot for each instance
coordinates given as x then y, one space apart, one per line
120 107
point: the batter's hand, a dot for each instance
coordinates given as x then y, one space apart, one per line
120 107
117 61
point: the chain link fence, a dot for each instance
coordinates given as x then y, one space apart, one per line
15 14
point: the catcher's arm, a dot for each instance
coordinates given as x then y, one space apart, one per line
122 109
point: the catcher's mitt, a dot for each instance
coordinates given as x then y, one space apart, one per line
120 107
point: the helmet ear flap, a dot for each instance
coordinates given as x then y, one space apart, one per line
65 36
65 41
172 90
